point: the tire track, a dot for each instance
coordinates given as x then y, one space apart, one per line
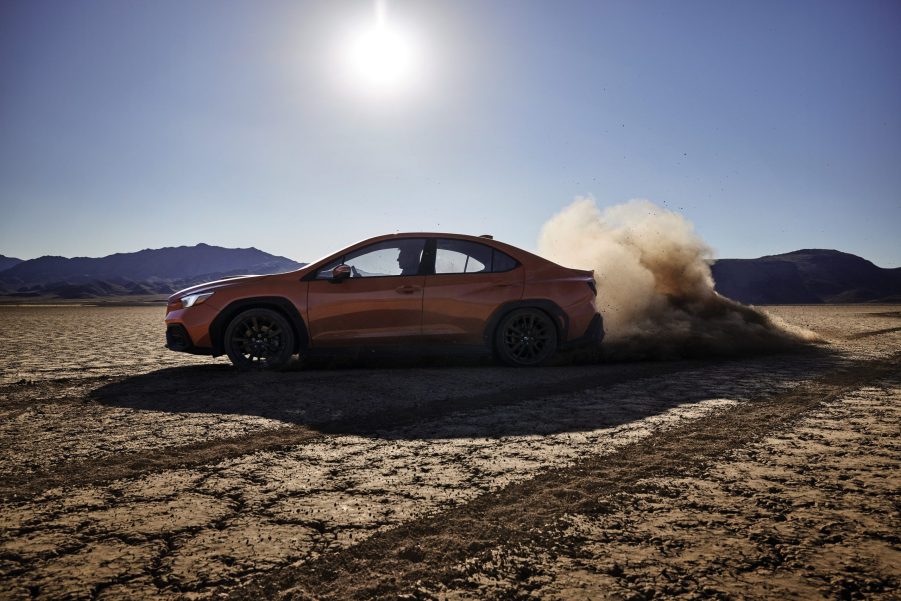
132 465
873 333
424 551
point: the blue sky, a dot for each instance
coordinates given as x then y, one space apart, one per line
772 126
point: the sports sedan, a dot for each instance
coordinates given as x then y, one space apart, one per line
399 289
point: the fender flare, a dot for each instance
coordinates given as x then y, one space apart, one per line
276 303
557 315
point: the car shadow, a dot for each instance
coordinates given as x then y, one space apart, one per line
461 398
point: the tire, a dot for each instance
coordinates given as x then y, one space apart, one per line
525 338
258 339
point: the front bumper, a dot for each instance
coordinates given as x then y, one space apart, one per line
178 339
188 330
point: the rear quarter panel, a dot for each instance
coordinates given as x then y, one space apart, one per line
568 288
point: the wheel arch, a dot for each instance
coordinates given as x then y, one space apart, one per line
279 304
558 317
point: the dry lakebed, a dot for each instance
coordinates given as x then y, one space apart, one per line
131 472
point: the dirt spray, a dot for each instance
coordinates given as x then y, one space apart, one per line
656 291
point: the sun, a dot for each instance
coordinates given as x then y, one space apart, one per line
381 57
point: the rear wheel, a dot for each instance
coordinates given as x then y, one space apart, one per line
259 339
525 337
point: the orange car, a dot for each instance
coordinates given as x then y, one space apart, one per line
399 289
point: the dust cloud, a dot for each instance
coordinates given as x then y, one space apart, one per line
655 289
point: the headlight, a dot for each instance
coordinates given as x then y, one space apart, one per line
195 299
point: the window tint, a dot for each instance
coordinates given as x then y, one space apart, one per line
389 258
502 262
463 256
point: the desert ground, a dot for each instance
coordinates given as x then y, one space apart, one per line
128 471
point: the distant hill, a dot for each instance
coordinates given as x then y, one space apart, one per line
7 262
806 276
150 271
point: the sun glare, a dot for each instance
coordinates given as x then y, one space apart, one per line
381 57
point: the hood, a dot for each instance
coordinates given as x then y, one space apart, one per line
216 285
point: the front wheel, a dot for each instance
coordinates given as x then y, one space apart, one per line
525 337
259 339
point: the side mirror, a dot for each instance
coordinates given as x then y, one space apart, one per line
341 273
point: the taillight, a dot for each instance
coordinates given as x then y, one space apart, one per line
593 286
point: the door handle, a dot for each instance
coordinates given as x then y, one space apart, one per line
502 285
407 289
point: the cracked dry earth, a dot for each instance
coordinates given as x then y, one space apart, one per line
162 476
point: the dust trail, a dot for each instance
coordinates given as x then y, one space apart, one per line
655 286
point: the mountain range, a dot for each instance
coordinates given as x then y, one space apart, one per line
802 276
7 262
146 272
806 277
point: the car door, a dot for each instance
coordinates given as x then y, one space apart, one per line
381 302
469 283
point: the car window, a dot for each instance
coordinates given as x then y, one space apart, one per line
389 258
502 262
463 256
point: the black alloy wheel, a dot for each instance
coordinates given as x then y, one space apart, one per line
525 337
259 339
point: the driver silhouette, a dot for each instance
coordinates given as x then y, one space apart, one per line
408 261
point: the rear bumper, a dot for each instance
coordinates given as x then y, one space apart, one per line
178 339
592 337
